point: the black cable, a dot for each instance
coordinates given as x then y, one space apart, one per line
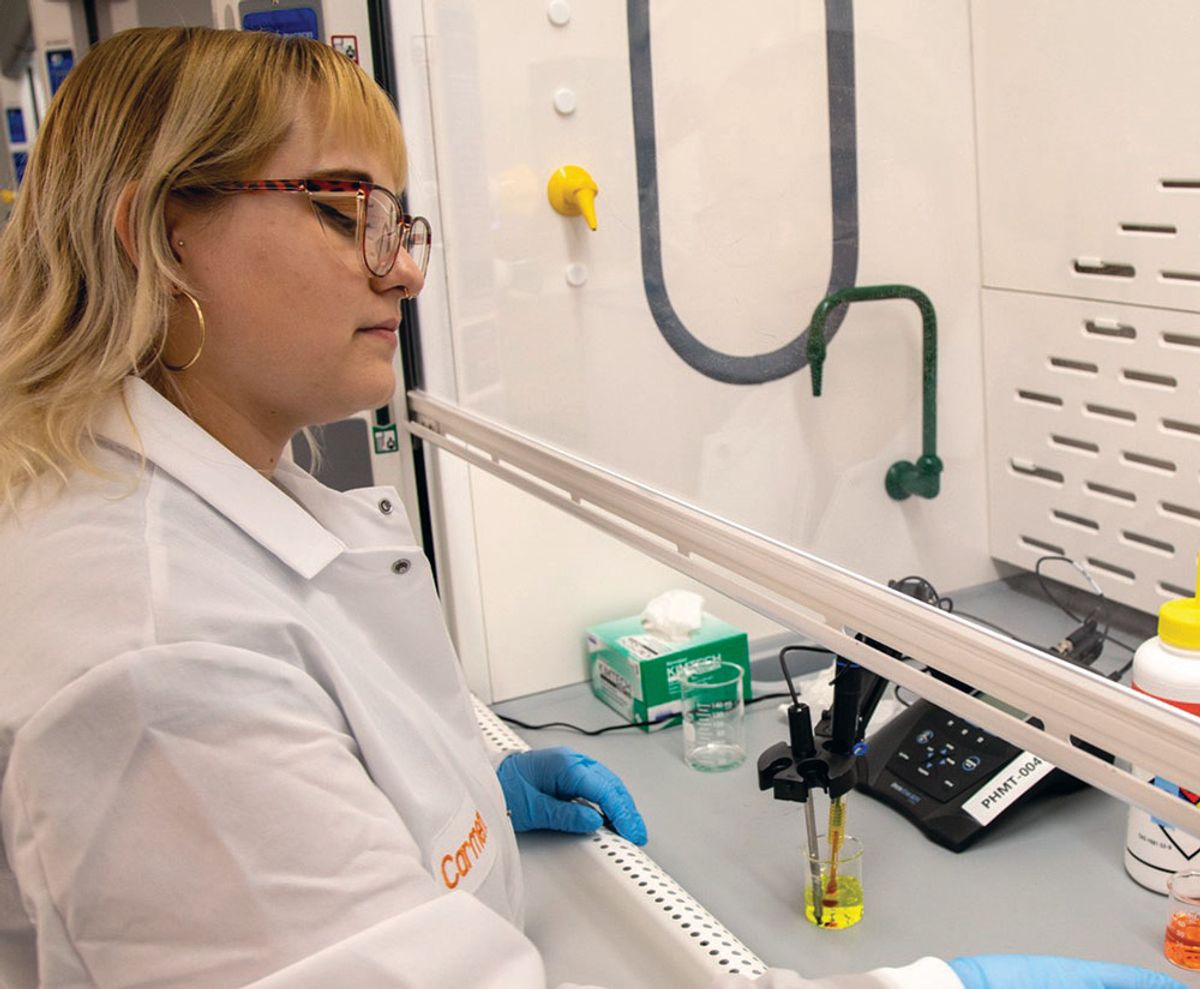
765 697
1057 558
583 731
664 722
1102 603
787 674
922 590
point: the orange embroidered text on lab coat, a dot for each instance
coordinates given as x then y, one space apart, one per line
455 867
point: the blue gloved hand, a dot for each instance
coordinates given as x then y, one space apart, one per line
540 787
1038 971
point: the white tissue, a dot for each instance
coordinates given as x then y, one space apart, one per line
674 616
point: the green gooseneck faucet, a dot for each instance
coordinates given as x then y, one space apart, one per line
904 478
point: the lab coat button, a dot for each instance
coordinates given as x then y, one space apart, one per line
401 567
385 506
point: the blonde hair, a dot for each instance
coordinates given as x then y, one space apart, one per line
176 111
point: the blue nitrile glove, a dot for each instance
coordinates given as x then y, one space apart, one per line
540 787
1038 971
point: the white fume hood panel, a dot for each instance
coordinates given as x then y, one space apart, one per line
1089 185
1090 207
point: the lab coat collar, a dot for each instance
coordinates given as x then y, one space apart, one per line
177 445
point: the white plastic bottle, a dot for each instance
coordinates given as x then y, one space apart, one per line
1167 667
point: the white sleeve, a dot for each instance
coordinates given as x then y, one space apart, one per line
197 815
925 973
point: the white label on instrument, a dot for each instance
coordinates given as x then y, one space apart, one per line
1007 787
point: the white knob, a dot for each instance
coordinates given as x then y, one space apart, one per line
564 101
577 274
559 12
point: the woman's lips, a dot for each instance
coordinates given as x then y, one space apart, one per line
386 332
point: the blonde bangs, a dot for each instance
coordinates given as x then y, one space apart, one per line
356 111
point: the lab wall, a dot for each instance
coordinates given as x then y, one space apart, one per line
556 330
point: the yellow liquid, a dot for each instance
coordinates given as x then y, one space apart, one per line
846 908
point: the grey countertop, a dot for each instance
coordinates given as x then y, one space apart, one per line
1047 879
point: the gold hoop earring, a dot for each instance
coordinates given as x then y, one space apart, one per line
203 334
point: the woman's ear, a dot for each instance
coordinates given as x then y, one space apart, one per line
124 222
176 216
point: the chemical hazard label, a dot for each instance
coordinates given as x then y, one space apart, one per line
1008 785
1187 845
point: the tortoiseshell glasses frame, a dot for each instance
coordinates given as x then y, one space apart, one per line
365 210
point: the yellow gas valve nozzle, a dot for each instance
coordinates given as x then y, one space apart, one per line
572 192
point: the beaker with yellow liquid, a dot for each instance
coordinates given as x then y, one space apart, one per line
841 889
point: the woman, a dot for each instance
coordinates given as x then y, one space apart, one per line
234 742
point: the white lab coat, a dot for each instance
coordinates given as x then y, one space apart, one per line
235 743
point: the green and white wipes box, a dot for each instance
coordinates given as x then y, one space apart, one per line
636 672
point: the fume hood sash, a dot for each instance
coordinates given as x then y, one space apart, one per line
830 604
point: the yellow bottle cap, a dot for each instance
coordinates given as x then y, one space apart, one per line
1179 621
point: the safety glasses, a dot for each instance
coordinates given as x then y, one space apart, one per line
363 211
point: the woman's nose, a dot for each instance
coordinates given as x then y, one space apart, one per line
405 275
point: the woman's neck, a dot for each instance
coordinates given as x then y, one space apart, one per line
256 436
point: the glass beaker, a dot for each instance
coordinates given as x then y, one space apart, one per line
840 882
714 731
1181 945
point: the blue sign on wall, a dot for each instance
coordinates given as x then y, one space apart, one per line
59 61
300 21
16 125
20 160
